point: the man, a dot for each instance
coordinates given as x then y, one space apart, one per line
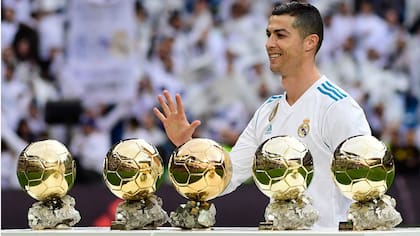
312 109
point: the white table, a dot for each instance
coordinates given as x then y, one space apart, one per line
234 231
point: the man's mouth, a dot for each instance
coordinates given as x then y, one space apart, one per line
274 55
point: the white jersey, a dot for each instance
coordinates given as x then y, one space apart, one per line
322 118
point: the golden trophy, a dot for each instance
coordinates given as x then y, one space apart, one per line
132 169
363 170
46 171
283 170
200 170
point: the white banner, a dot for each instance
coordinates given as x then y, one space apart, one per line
100 49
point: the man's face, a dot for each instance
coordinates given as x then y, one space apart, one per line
284 44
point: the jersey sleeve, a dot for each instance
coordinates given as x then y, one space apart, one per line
242 155
343 120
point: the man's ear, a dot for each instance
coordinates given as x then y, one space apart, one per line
311 42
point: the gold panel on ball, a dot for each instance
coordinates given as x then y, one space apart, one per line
46 170
132 168
200 169
282 168
363 168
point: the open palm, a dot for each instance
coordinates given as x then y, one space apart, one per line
177 127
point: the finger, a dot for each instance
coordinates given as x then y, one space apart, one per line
180 106
169 100
159 114
195 124
164 106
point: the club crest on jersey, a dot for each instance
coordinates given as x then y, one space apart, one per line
304 128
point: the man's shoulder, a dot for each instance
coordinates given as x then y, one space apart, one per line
268 106
273 99
330 92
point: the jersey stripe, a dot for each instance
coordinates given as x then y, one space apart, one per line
336 89
258 116
274 97
327 93
332 90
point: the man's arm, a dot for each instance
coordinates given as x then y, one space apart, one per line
344 120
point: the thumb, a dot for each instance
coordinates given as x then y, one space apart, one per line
195 124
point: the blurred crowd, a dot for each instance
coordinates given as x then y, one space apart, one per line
212 53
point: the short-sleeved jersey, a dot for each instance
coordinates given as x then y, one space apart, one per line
321 118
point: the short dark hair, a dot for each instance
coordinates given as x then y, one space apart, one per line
308 20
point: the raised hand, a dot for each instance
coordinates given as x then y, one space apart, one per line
178 129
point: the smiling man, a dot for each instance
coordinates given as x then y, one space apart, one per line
312 109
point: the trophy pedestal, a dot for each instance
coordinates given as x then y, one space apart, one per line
291 214
194 215
141 214
378 214
55 213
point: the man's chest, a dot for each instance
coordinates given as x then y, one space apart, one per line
301 122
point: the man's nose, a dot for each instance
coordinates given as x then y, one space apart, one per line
270 42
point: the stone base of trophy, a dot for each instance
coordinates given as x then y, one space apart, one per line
194 215
378 214
55 213
291 214
146 213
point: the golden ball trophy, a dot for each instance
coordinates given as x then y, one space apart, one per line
46 171
283 170
199 170
132 168
363 170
